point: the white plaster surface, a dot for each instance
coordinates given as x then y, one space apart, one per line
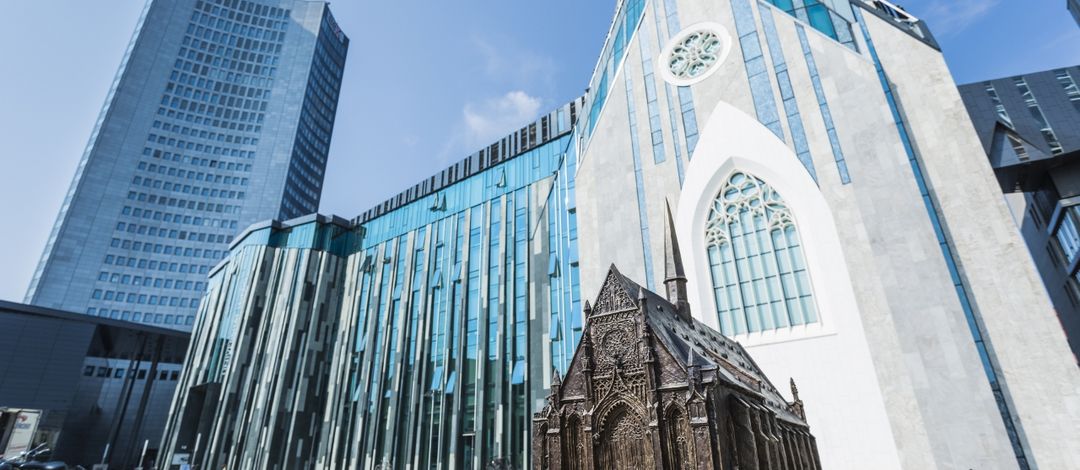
890 316
1041 379
819 356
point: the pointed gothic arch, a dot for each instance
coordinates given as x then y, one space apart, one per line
573 441
758 274
626 440
677 438
734 142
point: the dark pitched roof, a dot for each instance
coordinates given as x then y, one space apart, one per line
695 344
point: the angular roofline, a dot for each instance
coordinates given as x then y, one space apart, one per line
533 135
1026 74
39 311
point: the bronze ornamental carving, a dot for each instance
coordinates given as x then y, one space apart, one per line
649 387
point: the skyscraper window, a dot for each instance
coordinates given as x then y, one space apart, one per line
186 162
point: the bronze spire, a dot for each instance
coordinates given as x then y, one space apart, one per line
674 275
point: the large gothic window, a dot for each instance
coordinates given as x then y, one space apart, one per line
759 276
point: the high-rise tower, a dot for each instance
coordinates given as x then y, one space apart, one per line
835 215
220 115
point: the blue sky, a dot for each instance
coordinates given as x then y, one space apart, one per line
427 83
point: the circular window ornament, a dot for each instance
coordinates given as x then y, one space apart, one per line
694 53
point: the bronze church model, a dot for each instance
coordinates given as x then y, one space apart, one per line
649 387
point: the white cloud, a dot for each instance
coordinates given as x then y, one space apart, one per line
947 17
493 118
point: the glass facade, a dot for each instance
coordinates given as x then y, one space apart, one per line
832 18
759 277
472 266
438 354
167 182
627 20
422 333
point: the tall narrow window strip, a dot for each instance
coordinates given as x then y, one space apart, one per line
1069 85
999 107
821 17
761 88
1036 112
819 90
787 92
1068 233
626 25
661 38
685 103
759 275
946 250
656 127
639 184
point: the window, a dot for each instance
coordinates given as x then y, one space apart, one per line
1068 233
1018 147
998 105
1069 85
1037 114
694 54
759 275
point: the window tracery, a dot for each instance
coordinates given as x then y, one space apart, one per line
759 276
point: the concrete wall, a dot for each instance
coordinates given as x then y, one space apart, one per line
1039 377
900 352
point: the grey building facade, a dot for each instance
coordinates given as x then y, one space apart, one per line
220 115
100 387
1029 126
1074 8
838 218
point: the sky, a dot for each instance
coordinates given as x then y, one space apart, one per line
427 82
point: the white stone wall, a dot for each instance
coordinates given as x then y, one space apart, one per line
1041 379
891 376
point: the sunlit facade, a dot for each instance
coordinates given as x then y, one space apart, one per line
221 115
436 359
835 215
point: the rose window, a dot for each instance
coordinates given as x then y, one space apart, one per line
695 53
